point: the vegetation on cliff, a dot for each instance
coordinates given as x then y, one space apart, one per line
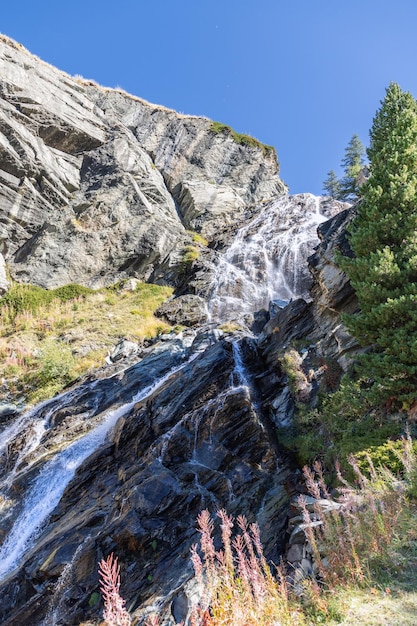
241 139
49 338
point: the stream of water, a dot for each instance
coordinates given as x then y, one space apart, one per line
48 487
265 260
261 264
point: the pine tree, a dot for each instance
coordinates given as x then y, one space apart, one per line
331 186
352 164
383 238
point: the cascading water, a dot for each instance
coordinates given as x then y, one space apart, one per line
265 259
47 489
202 440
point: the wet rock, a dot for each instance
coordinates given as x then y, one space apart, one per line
295 321
197 441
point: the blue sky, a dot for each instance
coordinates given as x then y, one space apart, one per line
302 75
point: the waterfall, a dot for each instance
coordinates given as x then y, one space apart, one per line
239 374
264 261
57 601
48 487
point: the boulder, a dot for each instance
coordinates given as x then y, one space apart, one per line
187 310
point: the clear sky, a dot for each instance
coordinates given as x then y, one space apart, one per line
302 75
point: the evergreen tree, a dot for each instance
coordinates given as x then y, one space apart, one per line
352 164
383 238
331 186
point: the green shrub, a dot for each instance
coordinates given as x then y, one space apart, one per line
71 292
197 238
241 139
28 298
190 254
344 422
388 455
55 361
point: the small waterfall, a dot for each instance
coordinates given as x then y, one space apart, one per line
265 260
62 585
239 374
49 486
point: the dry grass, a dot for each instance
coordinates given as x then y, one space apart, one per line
366 551
239 588
85 328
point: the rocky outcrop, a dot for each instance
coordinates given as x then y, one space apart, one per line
96 185
187 310
305 345
184 433
332 292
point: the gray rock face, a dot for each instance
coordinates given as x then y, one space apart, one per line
188 310
195 440
332 292
96 185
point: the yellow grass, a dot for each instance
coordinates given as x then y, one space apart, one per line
86 328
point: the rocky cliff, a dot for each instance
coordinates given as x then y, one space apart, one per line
97 185
123 463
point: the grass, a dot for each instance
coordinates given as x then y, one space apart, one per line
366 551
50 338
190 254
241 139
198 238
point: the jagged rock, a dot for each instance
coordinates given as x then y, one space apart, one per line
197 441
295 553
293 322
90 178
188 310
332 292
208 208
123 349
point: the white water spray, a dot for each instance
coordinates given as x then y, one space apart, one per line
49 486
265 258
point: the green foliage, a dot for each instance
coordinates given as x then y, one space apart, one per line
190 254
197 238
383 238
22 298
291 362
332 186
30 298
243 140
345 422
352 164
346 188
71 292
94 599
55 361
388 455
